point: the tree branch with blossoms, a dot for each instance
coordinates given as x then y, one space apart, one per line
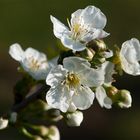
61 88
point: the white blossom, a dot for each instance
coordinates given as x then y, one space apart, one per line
85 25
74 118
3 123
100 92
102 98
32 61
130 56
70 84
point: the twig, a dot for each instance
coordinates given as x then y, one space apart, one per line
31 98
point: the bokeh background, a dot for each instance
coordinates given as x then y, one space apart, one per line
27 22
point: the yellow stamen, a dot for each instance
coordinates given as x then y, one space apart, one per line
72 80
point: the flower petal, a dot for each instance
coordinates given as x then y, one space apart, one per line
108 69
36 64
93 17
72 44
102 98
59 97
75 17
83 98
75 64
92 77
94 34
72 107
130 56
16 52
56 76
59 28
33 53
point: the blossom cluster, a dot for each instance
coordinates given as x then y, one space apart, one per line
85 71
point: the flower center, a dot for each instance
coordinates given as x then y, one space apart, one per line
76 29
72 80
34 64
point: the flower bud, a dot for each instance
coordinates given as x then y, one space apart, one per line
3 123
102 60
54 115
74 119
111 91
87 54
37 138
97 45
53 133
41 130
125 99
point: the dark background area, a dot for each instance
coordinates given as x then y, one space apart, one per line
27 22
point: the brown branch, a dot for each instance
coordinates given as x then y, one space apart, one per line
31 98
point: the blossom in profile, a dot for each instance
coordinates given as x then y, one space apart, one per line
130 56
85 25
70 84
100 91
32 61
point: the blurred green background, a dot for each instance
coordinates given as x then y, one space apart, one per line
27 22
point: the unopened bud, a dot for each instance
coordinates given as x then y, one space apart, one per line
42 130
97 45
125 99
3 123
74 119
111 91
53 133
87 54
102 60
37 138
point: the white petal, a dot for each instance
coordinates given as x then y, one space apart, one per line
59 28
108 54
75 17
75 64
59 97
72 44
92 77
33 53
16 52
108 69
72 107
56 76
130 56
38 71
94 34
83 98
102 98
99 34
94 17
